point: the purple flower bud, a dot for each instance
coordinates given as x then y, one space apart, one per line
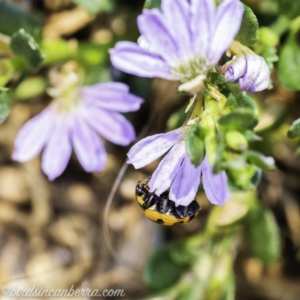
252 72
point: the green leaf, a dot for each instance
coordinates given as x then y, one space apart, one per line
12 18
30 88
231 101
247 34
162 270
23 44
261 161
95 6
289 8
236 141
244 100
4 105
294 130
149 4
262 235
195 145
289 64
217 78
239 118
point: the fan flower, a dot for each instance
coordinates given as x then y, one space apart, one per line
183 41
76 121
175 171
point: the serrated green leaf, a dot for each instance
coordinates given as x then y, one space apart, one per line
23 44
96 6
261 161
247 34
294 130
195 145
12 18
4 105
161 269
262 235
289 64
239 118
149 4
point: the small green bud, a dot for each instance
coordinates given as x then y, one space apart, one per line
236 141
268 37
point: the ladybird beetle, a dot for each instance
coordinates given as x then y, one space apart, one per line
162 210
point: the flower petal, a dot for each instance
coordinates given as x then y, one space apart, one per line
111 98
185 186
228 21
57 151
111 125
168 168
252 71
177 17
132 59
33 136
257 76
150 148
153 27
215 185
202 20
88 146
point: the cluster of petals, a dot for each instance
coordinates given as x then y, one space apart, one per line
181 41
58 131
176 172
251 71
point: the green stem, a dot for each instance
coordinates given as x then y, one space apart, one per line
281 25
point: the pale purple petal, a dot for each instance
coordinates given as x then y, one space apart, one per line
149 149
214 185
202 20
108 97
257 75
228 21
154 28
58 150
252 71
111 125
168 168
130 58
88 146
107 87
177 17
185 186
33 136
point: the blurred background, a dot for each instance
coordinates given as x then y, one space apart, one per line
52 233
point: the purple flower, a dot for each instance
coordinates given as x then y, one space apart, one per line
76 122
176 171
252 72
181 42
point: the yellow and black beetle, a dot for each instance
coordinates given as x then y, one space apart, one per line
162 210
